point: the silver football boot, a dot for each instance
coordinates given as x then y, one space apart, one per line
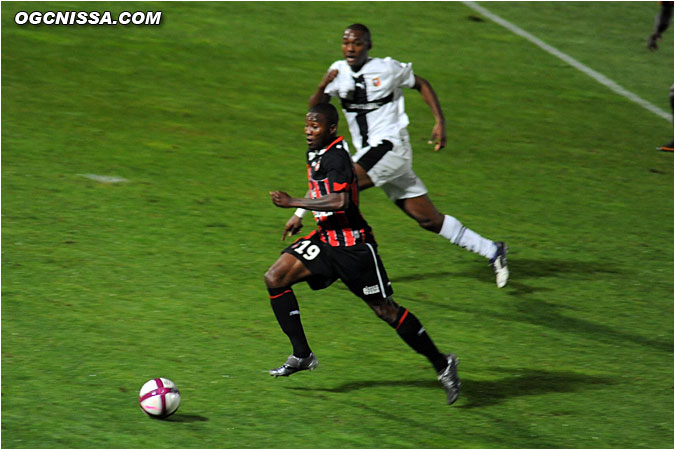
449 379
294 364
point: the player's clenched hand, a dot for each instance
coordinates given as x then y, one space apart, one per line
293 226
438 136
281 199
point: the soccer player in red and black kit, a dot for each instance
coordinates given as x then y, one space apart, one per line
342 248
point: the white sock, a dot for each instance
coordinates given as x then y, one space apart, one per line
458 234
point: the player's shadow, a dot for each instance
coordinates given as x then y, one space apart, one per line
553 316
520 383
527 269
421 276
186 418
522 269
482 393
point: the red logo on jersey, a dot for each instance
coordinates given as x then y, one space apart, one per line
376 81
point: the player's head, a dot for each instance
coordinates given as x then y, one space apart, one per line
355 45
321 124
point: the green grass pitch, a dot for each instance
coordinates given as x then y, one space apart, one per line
106 285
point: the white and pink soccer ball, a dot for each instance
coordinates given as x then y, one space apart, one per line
159 398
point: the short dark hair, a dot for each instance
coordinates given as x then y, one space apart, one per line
327 110
360 27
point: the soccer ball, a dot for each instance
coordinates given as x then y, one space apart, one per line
159 398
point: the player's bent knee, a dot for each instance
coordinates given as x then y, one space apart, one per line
273 279
386 310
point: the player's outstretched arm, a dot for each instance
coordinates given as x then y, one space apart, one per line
332 202
438 138
320 96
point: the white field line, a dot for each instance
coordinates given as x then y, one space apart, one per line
600 78
103 178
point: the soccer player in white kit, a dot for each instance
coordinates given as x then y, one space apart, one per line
369 90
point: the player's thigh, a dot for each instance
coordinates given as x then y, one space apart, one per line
362 271
406 185
315 257
387 168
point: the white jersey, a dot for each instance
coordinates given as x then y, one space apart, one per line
372 101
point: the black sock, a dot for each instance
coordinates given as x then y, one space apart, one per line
285 307
413 333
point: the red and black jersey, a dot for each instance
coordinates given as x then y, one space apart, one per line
330 170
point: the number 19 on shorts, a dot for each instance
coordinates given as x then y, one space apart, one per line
308 250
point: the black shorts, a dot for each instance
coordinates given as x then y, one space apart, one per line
359 266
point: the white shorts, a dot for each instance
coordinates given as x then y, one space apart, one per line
407 185
394 174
